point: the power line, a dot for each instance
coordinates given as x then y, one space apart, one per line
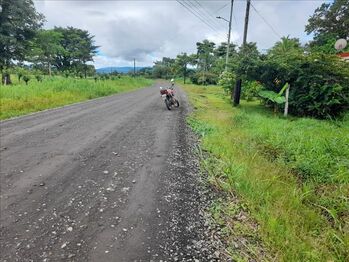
210 15
219 9
202 15
266 21
192 12
187 7
200 7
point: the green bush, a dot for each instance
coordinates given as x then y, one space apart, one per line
319 84
322 87
39 78
204 78
26 79
20 73
227 81
250 90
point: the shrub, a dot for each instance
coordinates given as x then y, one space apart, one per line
250 90
26 79
204 78
39 78
20 73
322 87
319 84
227 81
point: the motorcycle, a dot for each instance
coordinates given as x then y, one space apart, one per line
169 99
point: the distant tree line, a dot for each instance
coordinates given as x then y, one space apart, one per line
23 42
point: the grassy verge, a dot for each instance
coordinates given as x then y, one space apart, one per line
20 99
293 174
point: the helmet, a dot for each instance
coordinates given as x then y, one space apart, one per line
172 80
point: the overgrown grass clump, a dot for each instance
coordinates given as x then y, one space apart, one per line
19 98
292 173
314 150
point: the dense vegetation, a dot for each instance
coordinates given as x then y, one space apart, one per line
292 174
317 78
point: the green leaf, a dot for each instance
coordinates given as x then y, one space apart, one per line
283 89
280 100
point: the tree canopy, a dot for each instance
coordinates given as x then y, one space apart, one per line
19 22
77 48
45 47
329 23
23 40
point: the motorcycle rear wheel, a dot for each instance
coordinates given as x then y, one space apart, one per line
168 104
176 103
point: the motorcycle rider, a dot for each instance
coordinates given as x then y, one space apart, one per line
172 84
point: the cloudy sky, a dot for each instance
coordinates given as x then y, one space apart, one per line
149 30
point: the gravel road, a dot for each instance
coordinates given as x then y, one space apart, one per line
111 179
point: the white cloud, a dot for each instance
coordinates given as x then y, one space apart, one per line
149 30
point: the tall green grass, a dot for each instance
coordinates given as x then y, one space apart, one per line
313 149
20 99
292 173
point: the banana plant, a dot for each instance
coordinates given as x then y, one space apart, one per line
275 98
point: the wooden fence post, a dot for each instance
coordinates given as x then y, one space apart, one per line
286 103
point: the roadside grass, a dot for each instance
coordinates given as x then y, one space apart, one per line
293 174
20 99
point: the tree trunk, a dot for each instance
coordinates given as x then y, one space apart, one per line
49 69
6 79
237 93
85 68
185 73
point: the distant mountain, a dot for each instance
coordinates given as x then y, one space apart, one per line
124 69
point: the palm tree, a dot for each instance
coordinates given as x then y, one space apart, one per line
285 46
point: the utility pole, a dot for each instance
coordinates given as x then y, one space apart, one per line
229 33
237 89
134 67
247 16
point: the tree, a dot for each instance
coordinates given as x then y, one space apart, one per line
205 60
220 58
205 55
181 64
18 23
286 46
248 57
324 44
329 23
221 50
164 68
87 50
46 47
78 49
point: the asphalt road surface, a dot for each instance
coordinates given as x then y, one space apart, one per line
111 179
